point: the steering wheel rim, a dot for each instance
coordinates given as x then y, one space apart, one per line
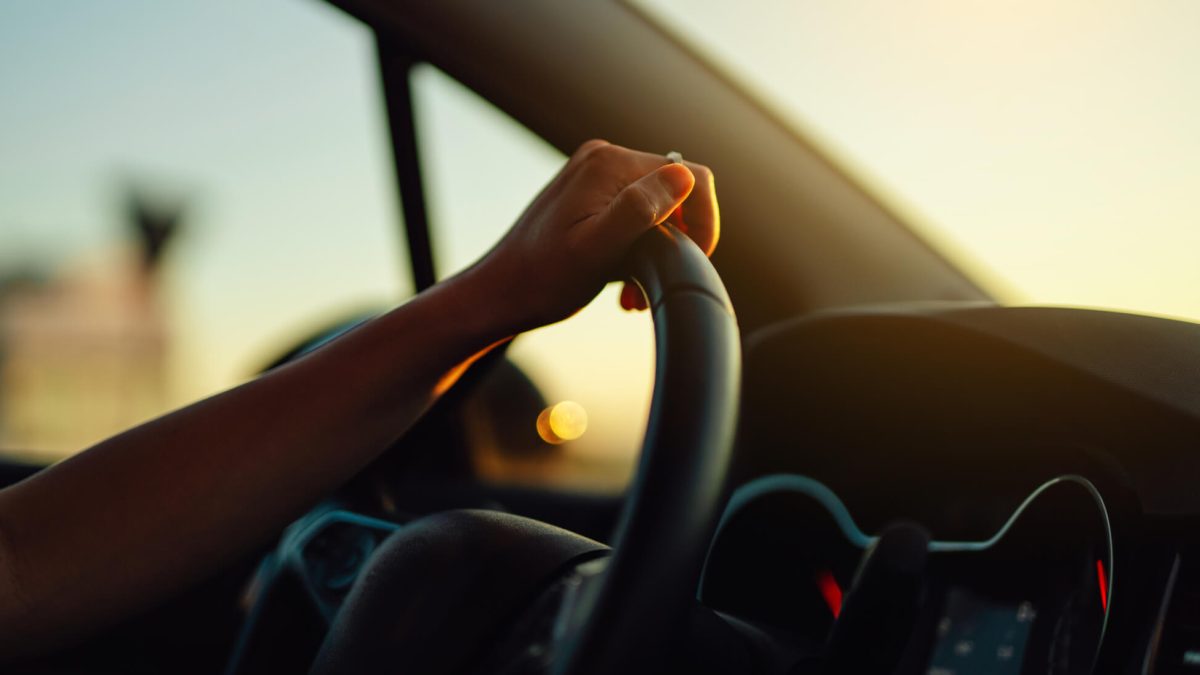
649 585
673 501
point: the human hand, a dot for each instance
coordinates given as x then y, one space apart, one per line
573 237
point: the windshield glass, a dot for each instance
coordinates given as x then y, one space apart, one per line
1049 148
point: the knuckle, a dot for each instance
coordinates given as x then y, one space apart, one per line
636 204
609 154
588 149
701 172
601 164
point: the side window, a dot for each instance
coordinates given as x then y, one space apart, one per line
481 169
186 189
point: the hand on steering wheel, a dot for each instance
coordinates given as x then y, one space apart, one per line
574 237
411 602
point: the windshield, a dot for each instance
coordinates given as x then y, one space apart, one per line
1049 148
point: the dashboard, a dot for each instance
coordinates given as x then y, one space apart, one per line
1032 598
924 489
1033 470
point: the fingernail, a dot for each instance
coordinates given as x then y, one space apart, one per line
677 179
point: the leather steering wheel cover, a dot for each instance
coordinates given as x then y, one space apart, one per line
672 504
441 586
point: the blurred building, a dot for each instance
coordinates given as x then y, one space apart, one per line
83 351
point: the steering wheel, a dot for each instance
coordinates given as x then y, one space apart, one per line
442 586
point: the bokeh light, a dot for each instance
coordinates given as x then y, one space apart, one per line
562 422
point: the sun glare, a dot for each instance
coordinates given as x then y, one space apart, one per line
562 422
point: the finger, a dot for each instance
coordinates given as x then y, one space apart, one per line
588 146
646 202
699 217
700 214
676 219
632 298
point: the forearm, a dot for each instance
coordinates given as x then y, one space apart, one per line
137 516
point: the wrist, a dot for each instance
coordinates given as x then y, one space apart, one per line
480 303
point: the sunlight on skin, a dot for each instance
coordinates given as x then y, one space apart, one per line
450 378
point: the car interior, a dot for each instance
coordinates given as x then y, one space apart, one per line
855 458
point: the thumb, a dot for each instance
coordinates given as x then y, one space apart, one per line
647 201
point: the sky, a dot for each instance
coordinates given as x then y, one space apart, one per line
1049 147
263 117
1052 147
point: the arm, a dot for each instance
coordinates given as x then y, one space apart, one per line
139 516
